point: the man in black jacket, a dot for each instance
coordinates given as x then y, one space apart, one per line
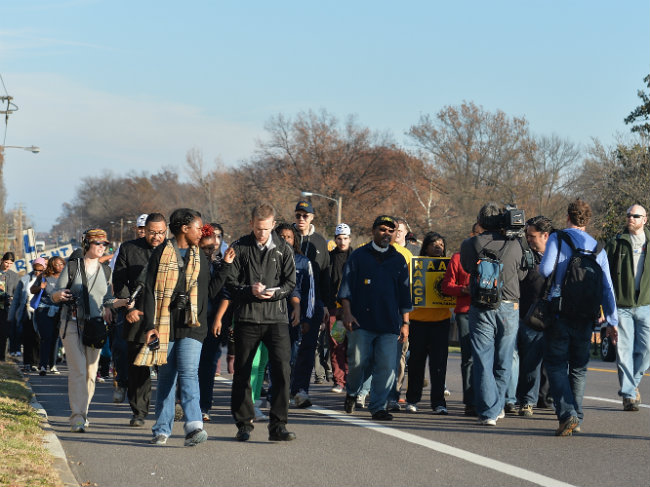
128 274
263 275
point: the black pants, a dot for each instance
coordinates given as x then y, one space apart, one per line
247 338
428 339
139 383
31 343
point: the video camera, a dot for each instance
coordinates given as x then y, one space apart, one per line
511 222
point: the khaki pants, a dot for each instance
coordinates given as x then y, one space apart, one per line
82 364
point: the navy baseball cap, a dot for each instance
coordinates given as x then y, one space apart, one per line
304 206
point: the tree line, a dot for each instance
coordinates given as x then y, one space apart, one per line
456 160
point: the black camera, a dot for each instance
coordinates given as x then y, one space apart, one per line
179 301
512 223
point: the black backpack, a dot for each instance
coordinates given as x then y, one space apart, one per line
582 288
486 282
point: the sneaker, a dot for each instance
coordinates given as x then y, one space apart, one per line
158 440
205 416
349 404
152 373
502 414
394 406
630 404
441 410
100 379
318 380
243 433
510 408
78 427
447 392
178 412
577 429
34 368
119 393
382 415
54 370
196 437
470 410
526 410
259 415
42 371
567 426
411 408
337 389
488 422
136 422
301 399
361 401
638 396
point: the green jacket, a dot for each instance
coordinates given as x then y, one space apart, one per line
619 254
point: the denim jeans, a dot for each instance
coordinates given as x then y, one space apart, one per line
566 355
182 363
462 322
306 355
511 391
531 352
119 349
210 355
492 333
371 353
633 348
47 330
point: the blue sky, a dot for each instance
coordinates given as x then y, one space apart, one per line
134 85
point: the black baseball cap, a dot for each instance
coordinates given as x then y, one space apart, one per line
389 221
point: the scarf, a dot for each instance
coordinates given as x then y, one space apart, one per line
166 280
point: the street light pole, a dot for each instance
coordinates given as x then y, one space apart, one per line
338 201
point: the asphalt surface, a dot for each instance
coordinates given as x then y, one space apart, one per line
335 449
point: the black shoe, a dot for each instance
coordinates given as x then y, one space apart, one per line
281 434
510 408
382 415
137 422
243 433
350 403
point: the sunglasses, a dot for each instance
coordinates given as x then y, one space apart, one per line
301 216
93 242
634 215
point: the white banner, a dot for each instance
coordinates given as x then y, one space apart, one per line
26 264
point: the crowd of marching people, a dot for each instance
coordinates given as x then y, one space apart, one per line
291 308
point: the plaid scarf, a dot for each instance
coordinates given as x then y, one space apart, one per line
166 280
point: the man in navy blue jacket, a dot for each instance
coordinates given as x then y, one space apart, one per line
376 300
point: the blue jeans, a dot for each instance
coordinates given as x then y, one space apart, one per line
566 355
633 348
462 322
531 352
492 334
210 355
511 391
371 353
182 363
119 350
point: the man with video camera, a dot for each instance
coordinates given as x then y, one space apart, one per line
494 261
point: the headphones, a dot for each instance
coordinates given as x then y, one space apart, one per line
91 233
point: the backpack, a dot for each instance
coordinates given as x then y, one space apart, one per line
486 282
582 289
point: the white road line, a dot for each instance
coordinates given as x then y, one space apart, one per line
468 456
615 401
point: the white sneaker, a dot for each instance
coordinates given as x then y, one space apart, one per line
447 392
301 399
488 422
361 401
54 370
78 427
411 408
337 389
502 414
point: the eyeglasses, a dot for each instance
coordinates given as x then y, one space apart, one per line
383 229
634 215
151 233
104 244
301 216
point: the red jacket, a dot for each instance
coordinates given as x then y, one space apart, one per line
452 284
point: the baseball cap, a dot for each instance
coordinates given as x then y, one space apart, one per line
342 229
142 220
304 206
384 220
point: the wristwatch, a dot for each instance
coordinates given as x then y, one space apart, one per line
407 323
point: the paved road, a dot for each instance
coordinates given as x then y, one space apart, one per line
335 449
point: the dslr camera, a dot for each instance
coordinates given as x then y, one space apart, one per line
179 301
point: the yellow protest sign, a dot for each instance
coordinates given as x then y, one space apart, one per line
426 280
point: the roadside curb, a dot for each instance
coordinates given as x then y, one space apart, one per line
53 444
